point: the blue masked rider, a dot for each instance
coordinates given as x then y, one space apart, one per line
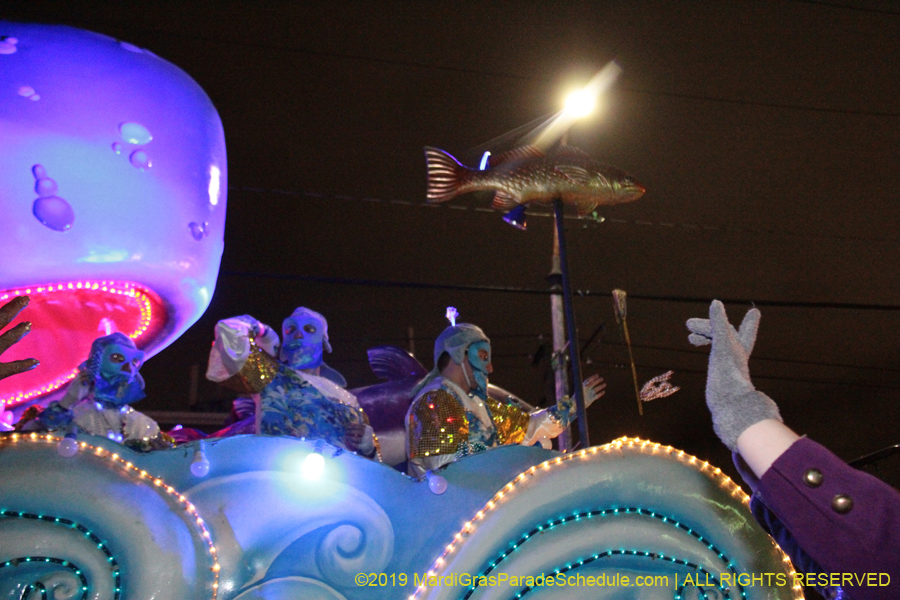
98 401
453 415
297 394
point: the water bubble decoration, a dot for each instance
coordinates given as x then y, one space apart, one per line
67 447
134 133
52 211
140 159
8 45
199 230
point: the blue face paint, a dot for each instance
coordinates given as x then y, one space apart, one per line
302 342
117 380
479 355
120 364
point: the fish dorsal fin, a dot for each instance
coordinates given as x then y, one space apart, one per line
577 174
570 152
503 201
391 362
516 154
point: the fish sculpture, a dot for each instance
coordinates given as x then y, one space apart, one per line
527 175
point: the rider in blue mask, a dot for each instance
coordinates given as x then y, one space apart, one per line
453 415
98 401
299 395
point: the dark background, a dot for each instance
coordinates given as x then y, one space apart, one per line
767 133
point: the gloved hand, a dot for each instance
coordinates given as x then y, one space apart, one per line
255 328
733 401
359 437
594 387
139 426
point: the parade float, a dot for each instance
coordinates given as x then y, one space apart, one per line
113 193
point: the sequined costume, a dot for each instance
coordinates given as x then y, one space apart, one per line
289 401
444 423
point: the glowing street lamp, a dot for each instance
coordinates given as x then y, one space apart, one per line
579 104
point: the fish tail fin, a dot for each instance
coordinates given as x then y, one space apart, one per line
445 175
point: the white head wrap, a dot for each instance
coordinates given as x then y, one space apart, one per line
454 340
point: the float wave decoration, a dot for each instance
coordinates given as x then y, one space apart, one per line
269 522
113 524
96 527
629 508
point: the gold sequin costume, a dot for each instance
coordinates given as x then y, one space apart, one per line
438 426
257 372
511 421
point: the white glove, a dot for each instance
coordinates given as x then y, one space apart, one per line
139 426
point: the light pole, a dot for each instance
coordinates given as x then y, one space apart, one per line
562 314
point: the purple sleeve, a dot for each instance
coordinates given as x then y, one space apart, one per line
847 521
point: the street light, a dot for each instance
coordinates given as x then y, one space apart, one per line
578 104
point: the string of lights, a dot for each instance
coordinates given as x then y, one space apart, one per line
533 476
136 474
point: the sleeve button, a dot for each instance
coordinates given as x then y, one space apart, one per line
812 478
842 504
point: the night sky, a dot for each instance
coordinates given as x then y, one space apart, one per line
767 134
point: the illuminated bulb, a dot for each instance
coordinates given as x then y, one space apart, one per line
200 464
452 314
436 483
314 464
67 447
580 103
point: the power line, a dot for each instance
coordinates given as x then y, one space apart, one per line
756 376
245 43
594 220
657 368
474 287
866 9
545 337
763 104
794 361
